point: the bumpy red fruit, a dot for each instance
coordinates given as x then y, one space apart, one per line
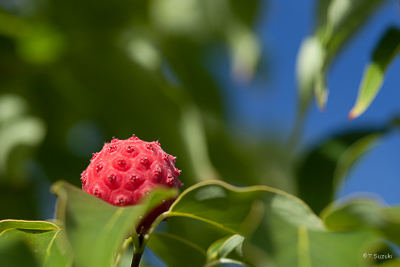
125 171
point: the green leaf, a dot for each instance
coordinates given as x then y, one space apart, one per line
205 234
7 225
16 253
345 18
282 244
390 263
280 228
39 236
352 154
176 251
365 214
387 49
16 130
321 12
321 169
227 250
309 67
239 210
338 21
96 229
245 51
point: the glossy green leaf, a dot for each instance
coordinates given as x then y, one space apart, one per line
96 229
39 237
239 210
365 214
176 251
387 49
280 228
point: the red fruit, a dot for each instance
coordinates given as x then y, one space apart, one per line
124 171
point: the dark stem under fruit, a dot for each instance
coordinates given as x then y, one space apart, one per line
138 250
136 259
146 227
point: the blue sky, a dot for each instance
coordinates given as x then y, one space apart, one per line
269 102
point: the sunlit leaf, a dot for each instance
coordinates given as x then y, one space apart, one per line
239 210
309 67
246 51
96 229
176 251
373 77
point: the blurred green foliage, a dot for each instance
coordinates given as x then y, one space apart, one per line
75 73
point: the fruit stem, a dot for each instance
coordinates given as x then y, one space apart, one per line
154 225
138 249
136 259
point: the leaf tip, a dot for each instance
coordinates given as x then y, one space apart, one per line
321 107
321 99
353 114
55 187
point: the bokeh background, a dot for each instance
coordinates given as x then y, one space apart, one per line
213 81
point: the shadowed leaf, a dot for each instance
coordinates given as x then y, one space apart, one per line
96 229
176 251
321 169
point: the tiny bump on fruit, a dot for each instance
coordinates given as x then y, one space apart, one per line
99 167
